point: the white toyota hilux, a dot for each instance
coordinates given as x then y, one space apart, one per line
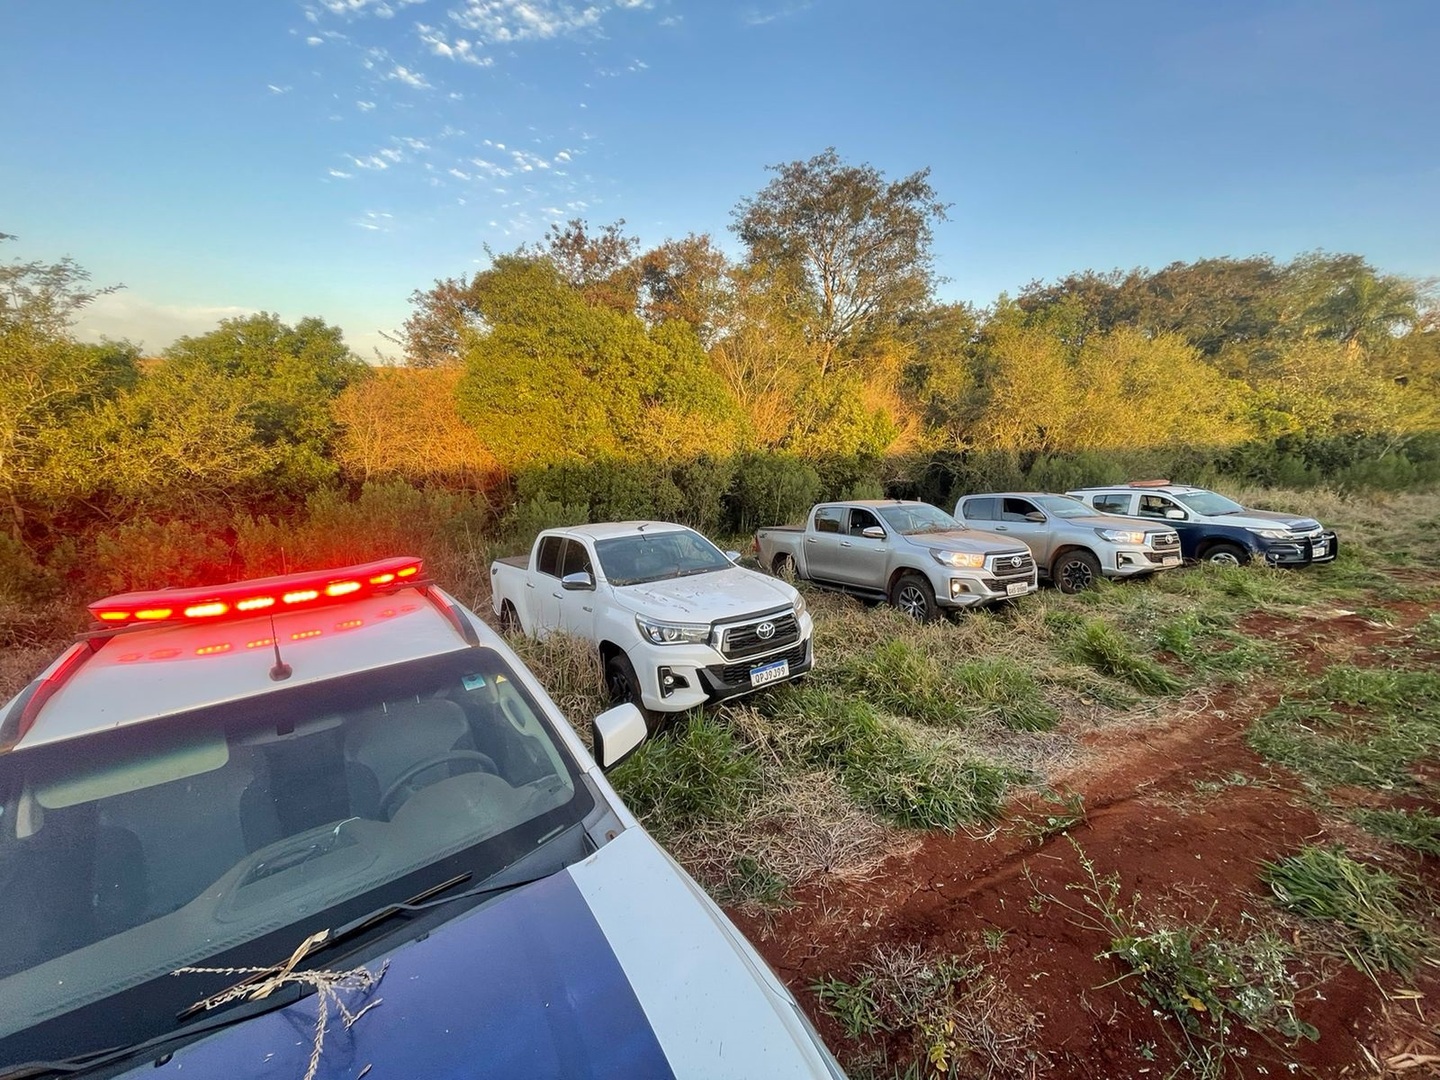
327 825
676 622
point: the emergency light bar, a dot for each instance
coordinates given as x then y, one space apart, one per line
240 599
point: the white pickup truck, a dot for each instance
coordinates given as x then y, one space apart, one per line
677 623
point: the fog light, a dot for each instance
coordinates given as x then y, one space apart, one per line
670 682
957 587
1125 560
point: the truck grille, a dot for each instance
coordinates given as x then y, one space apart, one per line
1011 565
1164 541
748 640
731 674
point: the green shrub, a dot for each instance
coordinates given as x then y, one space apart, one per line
148 554
769 489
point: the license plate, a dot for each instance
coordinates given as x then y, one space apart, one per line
1170 560
1017 588
768 673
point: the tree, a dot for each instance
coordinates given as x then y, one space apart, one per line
600 265
551 379
687 280
851 252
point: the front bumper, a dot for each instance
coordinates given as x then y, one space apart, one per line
674 678
1134 561
977 590
1323 549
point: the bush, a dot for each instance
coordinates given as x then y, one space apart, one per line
770 489
148 554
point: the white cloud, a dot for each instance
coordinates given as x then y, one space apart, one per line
410 78
505 21
314 40
458 49
459 175
787 10
364 106
147 322
413 143
277 89
373 221
356 9
563 155
341 175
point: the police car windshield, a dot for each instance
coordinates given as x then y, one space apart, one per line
1209 503
657 556
213 837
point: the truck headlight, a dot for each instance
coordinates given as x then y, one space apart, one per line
1120 536
1273 534
798 606
973 560
667 633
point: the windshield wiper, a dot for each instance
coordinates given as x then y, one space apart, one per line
245 1008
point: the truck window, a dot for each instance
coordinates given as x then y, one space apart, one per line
979 509
827 519
576 560
1156 505
1112 504
1016 509
860 520
547 560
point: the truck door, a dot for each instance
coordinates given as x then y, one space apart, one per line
861 559
1027 523
544 585
822 543
577 606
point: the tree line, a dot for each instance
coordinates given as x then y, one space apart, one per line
586 375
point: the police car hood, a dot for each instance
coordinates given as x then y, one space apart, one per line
1267 519
617 966
713 597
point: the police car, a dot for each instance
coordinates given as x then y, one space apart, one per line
327 825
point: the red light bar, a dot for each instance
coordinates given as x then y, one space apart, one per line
240 599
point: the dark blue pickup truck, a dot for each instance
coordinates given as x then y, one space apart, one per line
1215 529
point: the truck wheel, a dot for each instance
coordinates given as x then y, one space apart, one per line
1075 571
784 568
913 595
1226 555
623 685
509 619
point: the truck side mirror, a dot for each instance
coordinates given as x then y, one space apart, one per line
873 532
616 734
1036 516
733 556
1175 514
577 582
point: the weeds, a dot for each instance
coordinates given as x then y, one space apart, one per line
1099 645
1189 973
699 774
1366 903
1418 830
1069 811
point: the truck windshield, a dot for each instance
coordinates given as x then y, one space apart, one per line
216 837
1210 504
658 556
1063 506
912 518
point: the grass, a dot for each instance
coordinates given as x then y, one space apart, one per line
1203 983
697 776
1101 646
1366 904
1418 830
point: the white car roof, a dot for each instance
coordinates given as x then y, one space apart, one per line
605 530
141 675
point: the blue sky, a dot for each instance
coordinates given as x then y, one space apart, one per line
330 156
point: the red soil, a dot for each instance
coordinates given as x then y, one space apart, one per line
1187 851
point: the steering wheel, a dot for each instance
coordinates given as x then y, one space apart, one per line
485 761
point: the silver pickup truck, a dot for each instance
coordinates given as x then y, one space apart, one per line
1074 544
911 554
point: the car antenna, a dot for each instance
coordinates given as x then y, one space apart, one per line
281 671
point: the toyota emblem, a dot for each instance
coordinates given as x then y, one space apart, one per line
1017 561
765 631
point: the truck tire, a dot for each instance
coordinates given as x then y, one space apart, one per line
913 596
1075 570
1226 555
623 685
784 568
509 619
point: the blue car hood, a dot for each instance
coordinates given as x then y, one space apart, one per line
614 967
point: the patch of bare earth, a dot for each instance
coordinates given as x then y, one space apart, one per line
1185 813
